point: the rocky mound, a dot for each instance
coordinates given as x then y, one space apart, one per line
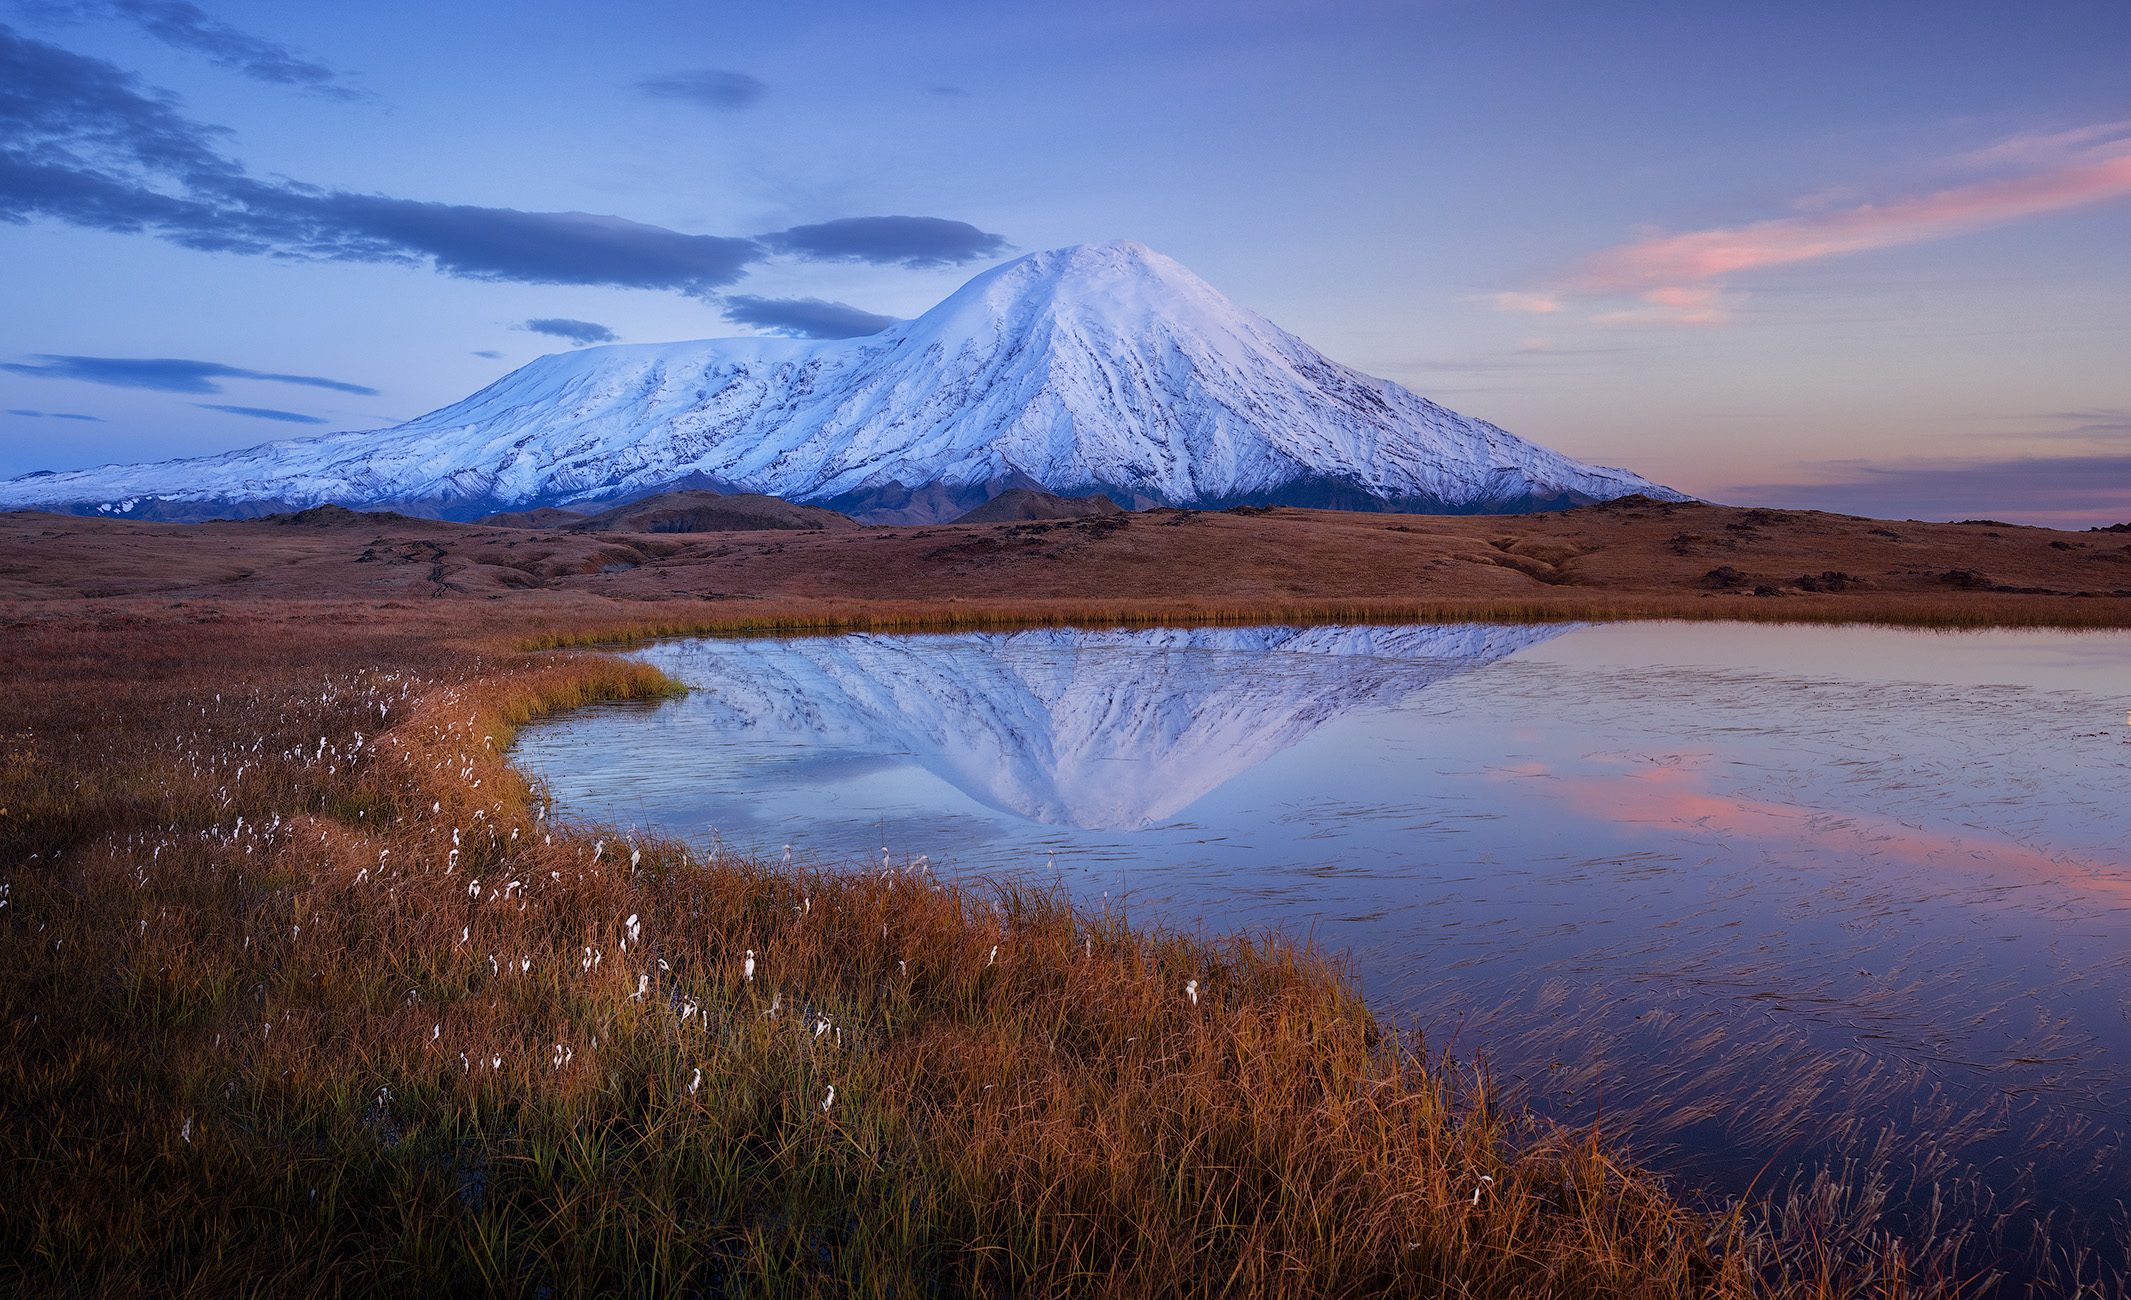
1016 504
697 511
544 517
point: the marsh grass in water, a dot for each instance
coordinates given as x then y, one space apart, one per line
306 992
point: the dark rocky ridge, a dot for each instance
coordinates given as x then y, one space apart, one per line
690 511
1017 504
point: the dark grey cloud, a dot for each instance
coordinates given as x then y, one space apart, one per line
262 413
57 415
947 92
905 241
503 243
187 27
806 318
709 87
2036 486
81 141
165 374
576 331
490 355
71 112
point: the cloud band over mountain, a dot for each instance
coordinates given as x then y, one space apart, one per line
580 332
261 413
806 318
82 143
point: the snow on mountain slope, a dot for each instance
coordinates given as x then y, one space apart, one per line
1103 367
1096 729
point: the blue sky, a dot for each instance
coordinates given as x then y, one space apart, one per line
1865 258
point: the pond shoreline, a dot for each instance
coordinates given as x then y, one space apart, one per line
910 692
209 1017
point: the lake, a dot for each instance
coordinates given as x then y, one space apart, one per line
1768 898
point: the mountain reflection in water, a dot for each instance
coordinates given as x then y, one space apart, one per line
1096 730
1776 896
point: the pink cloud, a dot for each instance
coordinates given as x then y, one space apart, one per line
2045 151
1532 302
1672 260
1675 306
1679 276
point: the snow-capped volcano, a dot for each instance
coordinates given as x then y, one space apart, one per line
1102 367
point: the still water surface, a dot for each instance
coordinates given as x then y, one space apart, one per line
1770 896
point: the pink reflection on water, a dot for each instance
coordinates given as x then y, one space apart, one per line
1673 793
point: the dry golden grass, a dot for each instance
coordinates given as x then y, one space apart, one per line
307 994
1625 560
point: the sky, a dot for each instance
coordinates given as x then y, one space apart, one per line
1866 258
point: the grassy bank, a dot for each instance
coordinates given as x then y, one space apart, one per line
939 616
305 993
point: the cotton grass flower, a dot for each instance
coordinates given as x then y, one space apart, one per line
747 968
1191 990
829 1100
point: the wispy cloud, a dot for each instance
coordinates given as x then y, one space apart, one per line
262 413
580 332
2060 491
1538 303
2103 427
57 415
1683 279
707 87
186 26
165 374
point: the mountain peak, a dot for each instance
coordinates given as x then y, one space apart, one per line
1118 280
1103 367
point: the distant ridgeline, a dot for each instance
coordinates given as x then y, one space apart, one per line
1103 368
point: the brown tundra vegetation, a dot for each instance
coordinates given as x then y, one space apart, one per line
309 992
